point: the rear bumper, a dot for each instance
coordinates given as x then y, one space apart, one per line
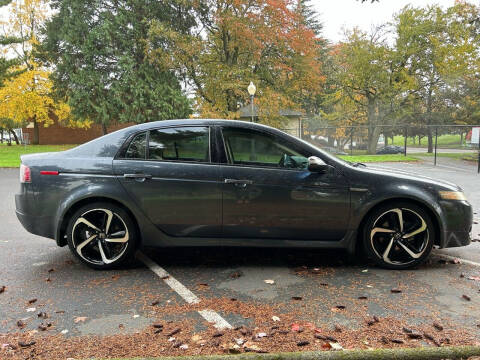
37 225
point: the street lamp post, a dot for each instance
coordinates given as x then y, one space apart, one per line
251 90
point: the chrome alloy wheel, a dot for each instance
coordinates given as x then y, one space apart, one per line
399 236
100 236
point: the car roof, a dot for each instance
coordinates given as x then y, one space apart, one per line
200 122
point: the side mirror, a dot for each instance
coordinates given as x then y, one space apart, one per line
315 164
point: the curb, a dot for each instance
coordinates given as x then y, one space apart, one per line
422 353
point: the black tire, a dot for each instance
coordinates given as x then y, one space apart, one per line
393 249
116 246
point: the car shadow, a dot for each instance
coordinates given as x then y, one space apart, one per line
222 257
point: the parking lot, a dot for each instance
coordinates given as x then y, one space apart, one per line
216 300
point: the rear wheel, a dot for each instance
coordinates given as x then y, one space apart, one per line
101 235
399 236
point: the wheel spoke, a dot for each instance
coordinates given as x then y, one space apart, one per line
123 239
387 251
109 220
82 220
380 230
400 217
82 245
410 252
102 254
422 228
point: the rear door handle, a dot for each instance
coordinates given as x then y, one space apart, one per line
137 176
238 182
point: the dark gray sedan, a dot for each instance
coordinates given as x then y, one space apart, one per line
231 183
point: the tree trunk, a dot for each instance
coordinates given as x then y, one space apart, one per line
1 136
373 130
461 138
104 129
429 120
15 136
386 139
36 135
373 135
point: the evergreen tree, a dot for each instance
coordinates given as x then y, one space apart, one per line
100 54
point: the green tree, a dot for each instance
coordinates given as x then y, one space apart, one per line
99 51
235 42
438 51
369 74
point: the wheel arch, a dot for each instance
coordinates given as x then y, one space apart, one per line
434 216
63 221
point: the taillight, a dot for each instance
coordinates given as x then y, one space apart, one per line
25 174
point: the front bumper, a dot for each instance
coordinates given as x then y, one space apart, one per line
457 223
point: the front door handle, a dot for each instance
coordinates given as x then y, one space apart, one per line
238 182
137 176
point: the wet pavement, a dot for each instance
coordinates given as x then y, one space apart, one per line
313 286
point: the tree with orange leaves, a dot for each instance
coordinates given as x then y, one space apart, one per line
238 41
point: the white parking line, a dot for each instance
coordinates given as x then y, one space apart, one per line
209 315
463 261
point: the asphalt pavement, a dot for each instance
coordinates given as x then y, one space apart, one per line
227 286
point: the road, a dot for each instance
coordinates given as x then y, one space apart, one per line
317 290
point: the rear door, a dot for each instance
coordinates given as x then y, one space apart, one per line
269 193
170 174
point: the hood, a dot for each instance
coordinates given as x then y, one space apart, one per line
408 176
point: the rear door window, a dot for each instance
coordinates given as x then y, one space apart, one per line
137 147
189 144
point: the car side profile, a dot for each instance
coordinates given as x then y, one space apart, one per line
231 183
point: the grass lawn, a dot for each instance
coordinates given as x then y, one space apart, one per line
458 156
10 155
444 141
378 158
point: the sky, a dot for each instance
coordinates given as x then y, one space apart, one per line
338 14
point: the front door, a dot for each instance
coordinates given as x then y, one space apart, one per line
169 173
269 193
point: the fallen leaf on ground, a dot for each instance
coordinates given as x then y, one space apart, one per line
271 282
474 278
297 328
236 275
275 318
32 309
173 332
466 297
336 346
438 326
31 301
156 302
21 324
26 344
79 319
395 291
2 289
362 298
303 343
42 315
297 298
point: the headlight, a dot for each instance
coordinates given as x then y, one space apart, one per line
452 195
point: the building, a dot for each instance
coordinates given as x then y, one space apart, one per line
57 134
294 122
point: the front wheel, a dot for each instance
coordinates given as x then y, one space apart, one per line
101 235
398 236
